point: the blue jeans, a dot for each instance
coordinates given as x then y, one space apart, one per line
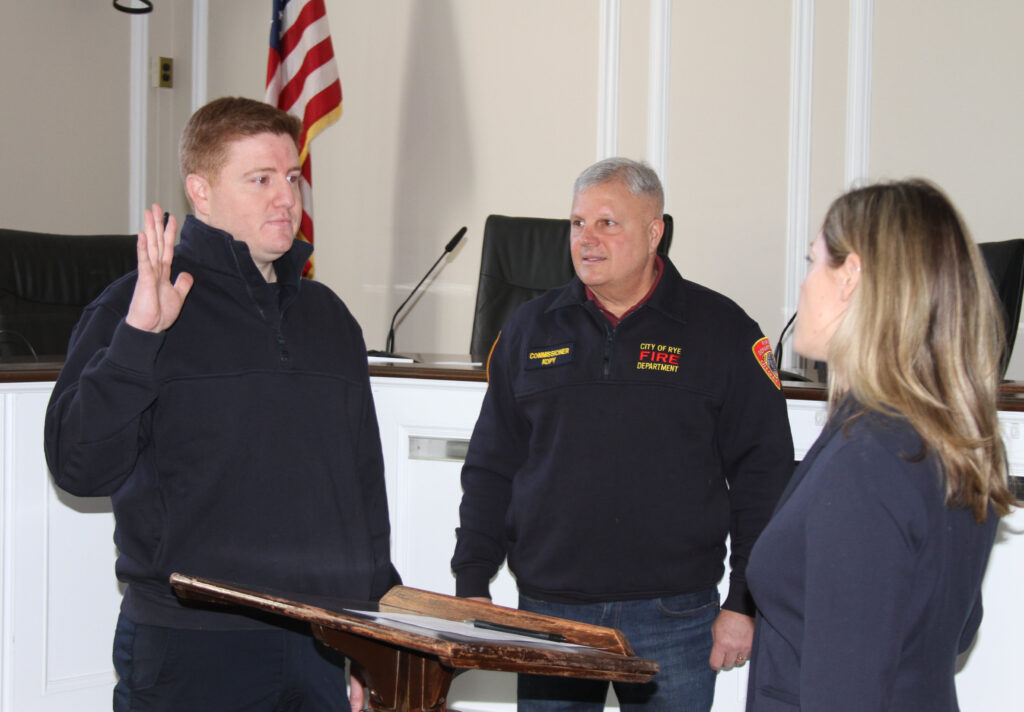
267 670
675 632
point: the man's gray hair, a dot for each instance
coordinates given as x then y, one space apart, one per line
638 177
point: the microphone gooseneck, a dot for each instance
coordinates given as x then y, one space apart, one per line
778 344
787 375
389 347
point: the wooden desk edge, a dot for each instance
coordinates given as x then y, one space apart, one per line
536 657
1011 393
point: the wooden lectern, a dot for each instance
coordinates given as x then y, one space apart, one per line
410 660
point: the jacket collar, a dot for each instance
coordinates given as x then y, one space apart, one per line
846 408
669 297
218 250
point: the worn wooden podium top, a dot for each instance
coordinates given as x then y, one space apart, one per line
414 642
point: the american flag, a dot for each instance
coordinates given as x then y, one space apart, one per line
302 79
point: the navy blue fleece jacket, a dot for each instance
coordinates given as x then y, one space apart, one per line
240 444
611 463
867 584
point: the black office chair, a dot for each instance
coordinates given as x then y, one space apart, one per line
1005 262
521 259
47 279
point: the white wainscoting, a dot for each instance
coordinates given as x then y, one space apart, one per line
60 597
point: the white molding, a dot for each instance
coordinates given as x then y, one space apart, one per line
47 629
200 51
858 91
7 435
608 79
799 180
660 62
138 94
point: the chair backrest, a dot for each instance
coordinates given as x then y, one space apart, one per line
522 258
45 282
1005 262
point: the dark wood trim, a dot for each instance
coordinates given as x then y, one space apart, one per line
458 368
430 370
46 368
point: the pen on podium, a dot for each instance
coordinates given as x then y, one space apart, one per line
501 628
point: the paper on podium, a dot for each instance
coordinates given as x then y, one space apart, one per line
468 630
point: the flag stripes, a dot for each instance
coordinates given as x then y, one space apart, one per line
302 79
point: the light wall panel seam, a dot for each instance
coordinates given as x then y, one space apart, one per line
608 79
799 180
658 88
137 132
858 97
200 51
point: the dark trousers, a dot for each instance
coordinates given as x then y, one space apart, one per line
268 670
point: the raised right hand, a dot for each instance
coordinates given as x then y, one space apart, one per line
156 303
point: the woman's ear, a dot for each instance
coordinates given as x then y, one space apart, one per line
850 271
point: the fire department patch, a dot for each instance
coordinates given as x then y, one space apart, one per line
763 353
658 357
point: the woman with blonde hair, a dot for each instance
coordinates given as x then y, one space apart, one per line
867 579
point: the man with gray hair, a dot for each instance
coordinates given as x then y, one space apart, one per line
633 421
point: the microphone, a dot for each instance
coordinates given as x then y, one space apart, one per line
786 375
820 367
390 345
778 344
4 333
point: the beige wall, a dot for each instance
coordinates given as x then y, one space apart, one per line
727 161
946 105
455 109
64 117
170 35
452 111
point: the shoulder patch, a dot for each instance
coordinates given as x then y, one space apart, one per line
546 356
762 349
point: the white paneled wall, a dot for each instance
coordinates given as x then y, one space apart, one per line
60 597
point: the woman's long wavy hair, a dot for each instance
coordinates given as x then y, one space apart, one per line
923 334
